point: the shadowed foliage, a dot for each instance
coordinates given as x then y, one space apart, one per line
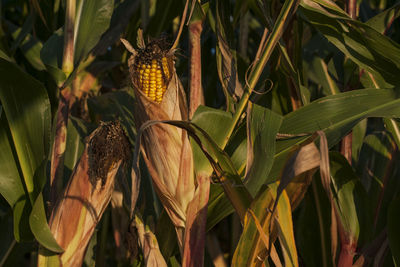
199 133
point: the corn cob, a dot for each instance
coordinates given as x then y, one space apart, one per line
152 73
166 150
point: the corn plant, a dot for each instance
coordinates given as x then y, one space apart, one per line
199 133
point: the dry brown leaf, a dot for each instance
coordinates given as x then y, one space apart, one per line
196 224
228 70
148 243
120 222
297 173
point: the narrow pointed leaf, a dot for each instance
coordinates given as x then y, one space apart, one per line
368 48
264 125
383 20
21 212
206 118
52 56
27 108
11 187
40 228
334 111
286 231
344 182
251 249
90 13
336 115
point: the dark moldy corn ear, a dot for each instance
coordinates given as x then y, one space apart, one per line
108 146
88 192
151 70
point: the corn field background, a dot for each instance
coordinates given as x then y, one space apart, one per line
199 133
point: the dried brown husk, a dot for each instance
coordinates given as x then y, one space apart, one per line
165 148
148 242
120 222
86 197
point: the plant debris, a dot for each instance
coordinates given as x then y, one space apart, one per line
107 145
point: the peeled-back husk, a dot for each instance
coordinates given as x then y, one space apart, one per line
166 149
167 153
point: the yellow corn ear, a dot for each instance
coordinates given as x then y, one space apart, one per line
153 78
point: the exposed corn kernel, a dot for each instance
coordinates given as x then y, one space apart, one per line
153 78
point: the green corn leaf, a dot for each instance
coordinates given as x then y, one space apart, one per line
365 46
92 19
40 228
11 187
27 109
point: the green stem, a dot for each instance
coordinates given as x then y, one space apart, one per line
287 11
60 138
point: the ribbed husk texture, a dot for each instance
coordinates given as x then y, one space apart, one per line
165 148
88 192
148 242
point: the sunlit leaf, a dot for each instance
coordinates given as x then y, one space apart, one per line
368 48
383 20
40 228
252 249
286 231
206 118
264 125
91 21
27 108
336 115
250 245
